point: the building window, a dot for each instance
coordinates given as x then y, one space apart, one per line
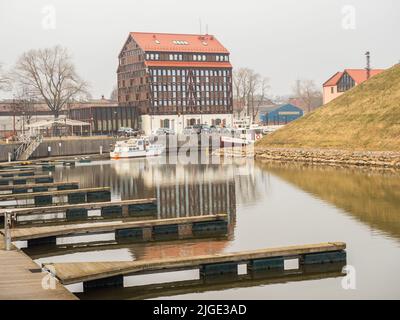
332 89
345 83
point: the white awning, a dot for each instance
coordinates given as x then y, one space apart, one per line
59 121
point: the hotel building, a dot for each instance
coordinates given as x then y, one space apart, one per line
175 80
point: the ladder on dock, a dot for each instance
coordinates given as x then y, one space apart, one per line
28 146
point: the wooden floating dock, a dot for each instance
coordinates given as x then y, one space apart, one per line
87 206
74 196
137 229
21 278
58 193
105 274
175 288
17 169
23 180
31 186
18 173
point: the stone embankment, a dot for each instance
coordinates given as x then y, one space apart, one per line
389 159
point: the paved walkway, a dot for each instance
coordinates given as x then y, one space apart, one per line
18 282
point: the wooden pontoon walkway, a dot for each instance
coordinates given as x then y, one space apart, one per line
36 185
29 233
18 173
177 288
33 177
21 278
69 273
65 207
31 195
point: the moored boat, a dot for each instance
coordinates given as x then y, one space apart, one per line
136 148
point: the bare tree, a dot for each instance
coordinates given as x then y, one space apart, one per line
25 104
309 95
240 88
50 75
5 81
250 90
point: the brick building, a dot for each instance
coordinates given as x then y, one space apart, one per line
175 80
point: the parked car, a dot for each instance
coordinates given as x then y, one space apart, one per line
189 130
164 131
123 131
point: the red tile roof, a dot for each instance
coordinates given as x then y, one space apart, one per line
168 42
189 64
358 75
333 80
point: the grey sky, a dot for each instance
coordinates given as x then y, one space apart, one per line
281 39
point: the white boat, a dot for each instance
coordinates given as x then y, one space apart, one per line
136 148
242 137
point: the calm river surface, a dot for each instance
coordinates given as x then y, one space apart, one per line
269 205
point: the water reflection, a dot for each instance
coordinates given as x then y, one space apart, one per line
207 284
372 197
270 205
180 190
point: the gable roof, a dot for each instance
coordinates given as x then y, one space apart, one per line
332 81
358 75
170 42
271 108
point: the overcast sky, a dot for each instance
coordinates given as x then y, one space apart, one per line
281 39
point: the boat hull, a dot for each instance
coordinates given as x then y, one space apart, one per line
135 154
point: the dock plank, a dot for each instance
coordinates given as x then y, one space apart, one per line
85 205
17 282
26 177
69 273
36 185
28 233
30 195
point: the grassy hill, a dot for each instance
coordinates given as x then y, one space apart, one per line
366 117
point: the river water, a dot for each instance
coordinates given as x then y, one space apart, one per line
269 205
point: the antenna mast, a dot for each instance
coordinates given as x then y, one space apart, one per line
368 68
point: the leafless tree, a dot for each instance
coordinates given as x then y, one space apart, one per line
250 90
25 104
50 75
309 95
5 81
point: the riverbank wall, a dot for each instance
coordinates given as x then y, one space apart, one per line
60 147
75 146
389 159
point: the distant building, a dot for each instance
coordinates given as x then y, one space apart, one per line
279 115
340 82
175 80
105 116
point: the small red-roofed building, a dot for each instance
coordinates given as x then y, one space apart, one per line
175 80
340 82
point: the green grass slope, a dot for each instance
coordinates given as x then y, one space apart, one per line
366 117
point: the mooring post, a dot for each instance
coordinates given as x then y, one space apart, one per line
7 229
9 157
101 150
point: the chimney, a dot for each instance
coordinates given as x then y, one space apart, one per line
368 68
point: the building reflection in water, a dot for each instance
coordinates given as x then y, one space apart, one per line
180 190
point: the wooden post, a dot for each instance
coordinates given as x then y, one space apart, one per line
7 230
